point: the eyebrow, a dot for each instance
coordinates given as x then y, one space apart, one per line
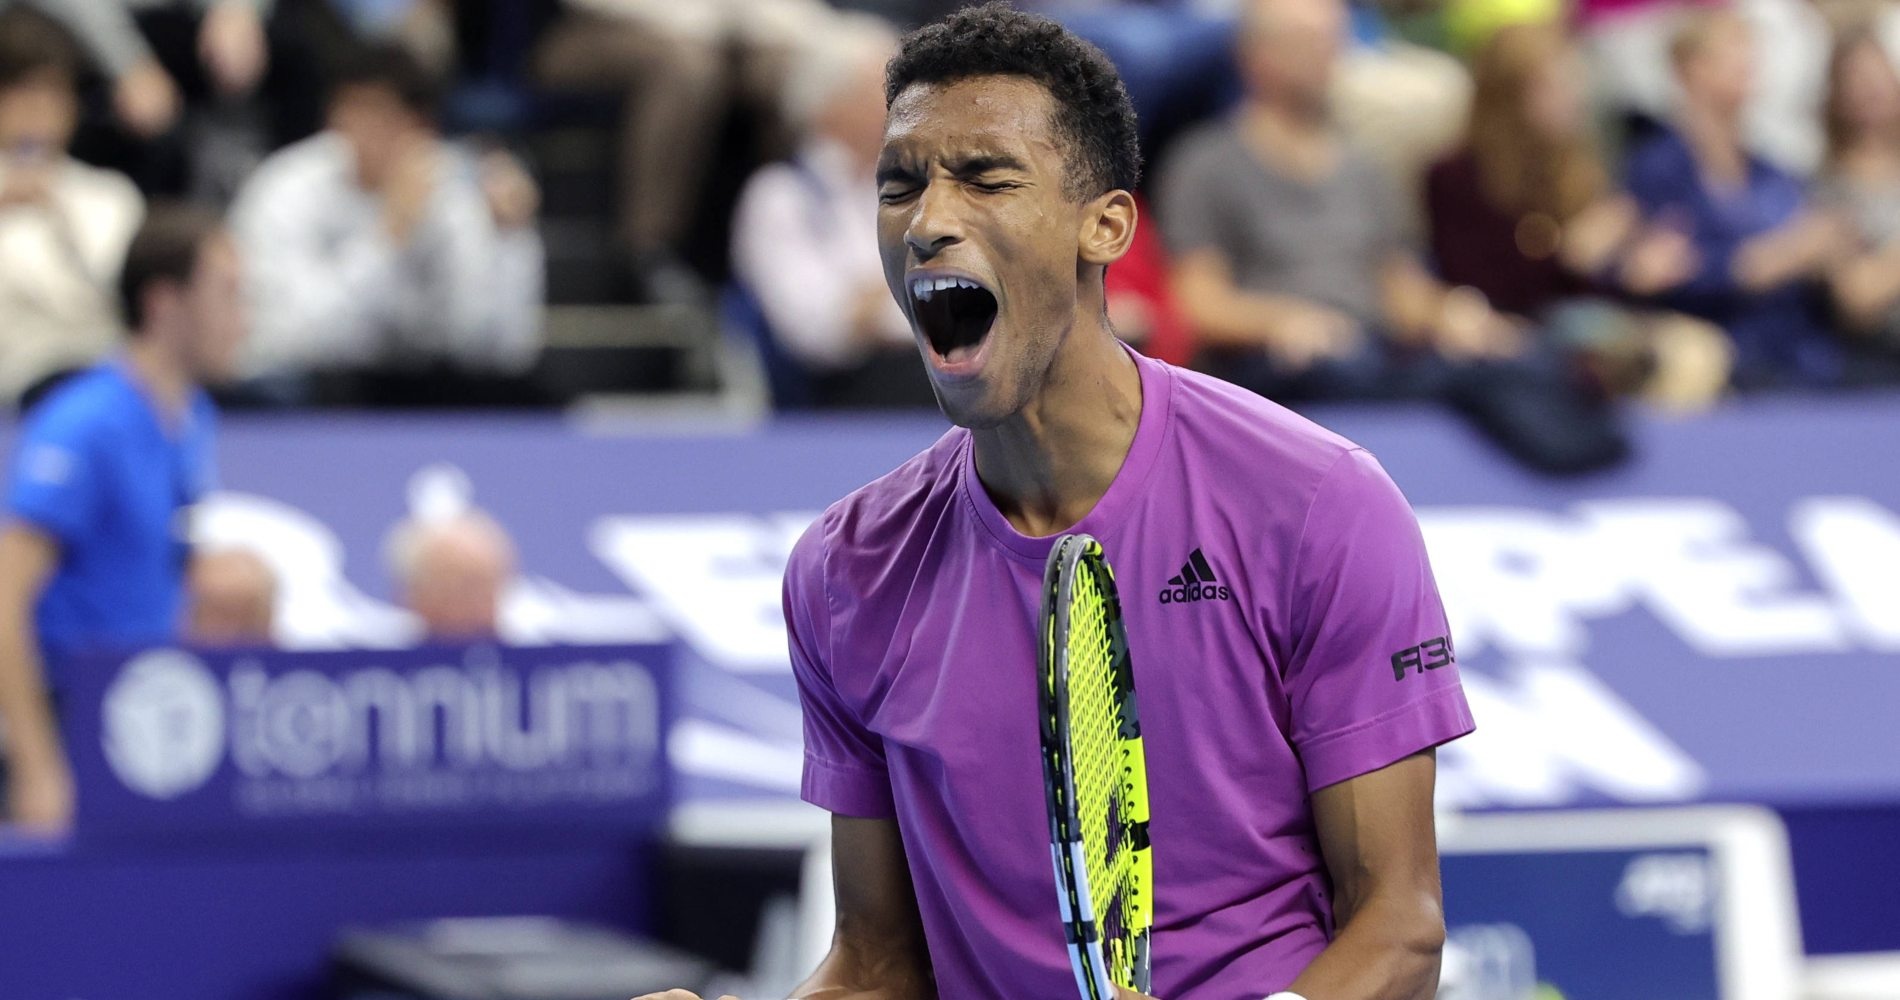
888 172
972 166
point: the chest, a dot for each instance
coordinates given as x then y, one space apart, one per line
146 491
1289 225
950 683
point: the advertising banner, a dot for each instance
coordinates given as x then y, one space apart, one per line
449 739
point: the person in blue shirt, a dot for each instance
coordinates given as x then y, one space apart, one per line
93 546
1759 246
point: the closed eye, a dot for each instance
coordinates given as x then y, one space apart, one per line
894 195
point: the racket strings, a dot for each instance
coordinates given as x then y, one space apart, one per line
1102 771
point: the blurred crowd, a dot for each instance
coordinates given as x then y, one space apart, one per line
1522 207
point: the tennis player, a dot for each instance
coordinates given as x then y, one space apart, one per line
1290 652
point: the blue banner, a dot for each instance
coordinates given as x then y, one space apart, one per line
469 740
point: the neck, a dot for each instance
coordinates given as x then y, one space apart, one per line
1715 137
1049 464
160 372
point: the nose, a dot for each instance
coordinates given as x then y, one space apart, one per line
934 225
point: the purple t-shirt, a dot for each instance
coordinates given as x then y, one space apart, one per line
1286 635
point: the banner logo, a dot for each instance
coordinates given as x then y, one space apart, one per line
164 724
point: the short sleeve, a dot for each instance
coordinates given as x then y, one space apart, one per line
54 482
1189 204
1371 677
845 772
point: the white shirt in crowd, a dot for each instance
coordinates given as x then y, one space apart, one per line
330 289
804 244
59 269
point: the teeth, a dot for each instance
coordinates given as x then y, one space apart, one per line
925 287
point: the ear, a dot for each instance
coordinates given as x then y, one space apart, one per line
1108 227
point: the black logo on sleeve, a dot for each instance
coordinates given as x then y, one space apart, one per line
1195 582
1428 655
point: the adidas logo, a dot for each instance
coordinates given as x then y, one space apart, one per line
1195 582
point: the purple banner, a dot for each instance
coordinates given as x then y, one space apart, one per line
475 739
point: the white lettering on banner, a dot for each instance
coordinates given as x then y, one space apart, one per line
304 724
1854 546
1520 579
716 578
1679 889
304 741
1528 582
1723 594
1550 730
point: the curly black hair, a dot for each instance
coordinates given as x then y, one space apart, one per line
1093 117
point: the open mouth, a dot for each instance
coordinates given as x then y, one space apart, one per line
955 314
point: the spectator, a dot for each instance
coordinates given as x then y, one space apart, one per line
1628 44
452 571
181 110
681 69
92 556
1290 261
804 239
1861 181
1757 245
377 249
232 599
145 98
1524 213
63 225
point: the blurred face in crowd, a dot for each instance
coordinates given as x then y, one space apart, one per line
1289 48
379 128
210 311
456 573
972 192
1867 90
1716 68
233 597
37 116
855 114
1555 98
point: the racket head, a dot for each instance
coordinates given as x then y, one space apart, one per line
1094 772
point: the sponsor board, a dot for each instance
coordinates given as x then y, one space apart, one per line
460 737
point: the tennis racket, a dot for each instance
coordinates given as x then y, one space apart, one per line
1094 773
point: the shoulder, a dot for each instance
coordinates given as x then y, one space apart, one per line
1270 447
878 522
774 186
100 185
74 419
319 160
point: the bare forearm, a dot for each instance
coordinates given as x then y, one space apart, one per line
1388 950
857 969
1234 318
31 734
1867 288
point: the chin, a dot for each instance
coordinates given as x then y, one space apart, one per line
973 406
